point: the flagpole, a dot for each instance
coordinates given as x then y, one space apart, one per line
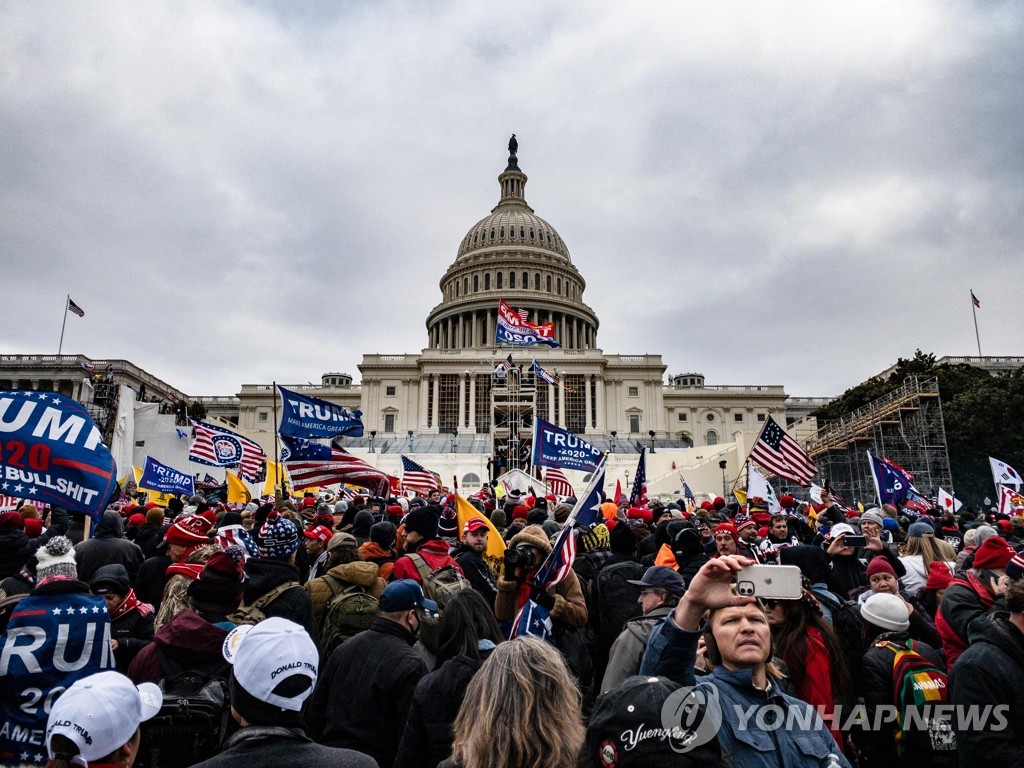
68 300
874 479
974 311
277 447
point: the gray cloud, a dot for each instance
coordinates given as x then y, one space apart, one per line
791 193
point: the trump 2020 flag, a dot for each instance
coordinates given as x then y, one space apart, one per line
304 416
51 451
560 448
512 329
1003 473
892 482
160 477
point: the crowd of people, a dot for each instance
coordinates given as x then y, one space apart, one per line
332 631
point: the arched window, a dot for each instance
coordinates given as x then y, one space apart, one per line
456 289
711 438
549 283
526 279
492 234
559 286
511 279
476 283
465 286
500 280
536 281
487 281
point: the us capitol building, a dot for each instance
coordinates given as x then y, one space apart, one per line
444 405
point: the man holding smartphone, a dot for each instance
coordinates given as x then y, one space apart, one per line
739 647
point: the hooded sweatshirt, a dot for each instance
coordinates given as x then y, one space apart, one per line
107 547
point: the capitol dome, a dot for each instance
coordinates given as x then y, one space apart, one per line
511 254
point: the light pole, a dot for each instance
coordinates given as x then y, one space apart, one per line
410 441
373 436
627 479
722 465
613 434
651 433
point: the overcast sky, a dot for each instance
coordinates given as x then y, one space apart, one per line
788 193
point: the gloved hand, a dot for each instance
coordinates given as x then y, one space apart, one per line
542 597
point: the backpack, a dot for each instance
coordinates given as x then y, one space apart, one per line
918 683
439 585
846 623
614 600
255 613
193 721
350 611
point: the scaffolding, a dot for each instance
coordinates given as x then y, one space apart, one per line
904 426
513 405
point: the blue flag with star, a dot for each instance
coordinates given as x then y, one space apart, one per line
53 452
534 621
51 642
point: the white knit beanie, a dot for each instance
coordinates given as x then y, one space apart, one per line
56 558
886 611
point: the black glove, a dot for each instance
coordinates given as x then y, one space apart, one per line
542 597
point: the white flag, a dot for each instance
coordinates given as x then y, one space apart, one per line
947 502
758 486
815 493
1003 473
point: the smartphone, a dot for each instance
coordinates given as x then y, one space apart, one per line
852 540
771 582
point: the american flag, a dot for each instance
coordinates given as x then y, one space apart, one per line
81 312
977 302
557 482
687 494
638 495
559 562
219 447
417 478
524 314
311 465
507 363
782 455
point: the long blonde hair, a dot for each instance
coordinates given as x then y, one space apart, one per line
930 549
521 710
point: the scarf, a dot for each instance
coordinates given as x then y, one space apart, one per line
190 571
129 604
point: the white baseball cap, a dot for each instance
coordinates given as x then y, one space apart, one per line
101 712
264 654
839 529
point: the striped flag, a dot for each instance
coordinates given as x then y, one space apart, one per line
638 494
975 299
691 502
524 314
507 363
557 482
782 455
418 478
311 465
72 307
219 447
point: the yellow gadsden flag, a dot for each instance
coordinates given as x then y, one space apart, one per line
238 493
275 474
495 552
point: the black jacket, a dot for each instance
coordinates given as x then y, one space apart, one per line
152 578
991 671
107 547
435 704
875 684
261 576
480 576
261 746
148 537
364 692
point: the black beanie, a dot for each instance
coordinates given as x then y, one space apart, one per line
15 546
687 543
423 521
622 540
383 534
536 516
110 578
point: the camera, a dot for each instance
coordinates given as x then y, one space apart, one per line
521 557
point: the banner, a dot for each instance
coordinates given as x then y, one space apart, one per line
160 477
216 446
892 482
757 485
238 492
303 416
557 447
1003 473
1010 502
512 329
50 450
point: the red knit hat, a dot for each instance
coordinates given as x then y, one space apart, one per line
993 553
879 564
939 576
33 527
189 531
787 502
707 505
727 528
520 513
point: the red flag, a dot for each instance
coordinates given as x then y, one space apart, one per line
618 492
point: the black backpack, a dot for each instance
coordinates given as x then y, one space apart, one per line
615 600
192 723
846 623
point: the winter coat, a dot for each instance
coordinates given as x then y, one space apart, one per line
262 575
148 538
848 573
152 578
262 746
628 649
963 601
917 575
384 559
362 697
188 640
427 739
570 608
875 685
671 652
991 671
479 573
133 632
360 573
107 547
434 552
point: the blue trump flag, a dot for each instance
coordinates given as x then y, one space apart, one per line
304 416
892 482
160 477
557 447
51 451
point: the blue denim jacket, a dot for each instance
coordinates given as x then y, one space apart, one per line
746 736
